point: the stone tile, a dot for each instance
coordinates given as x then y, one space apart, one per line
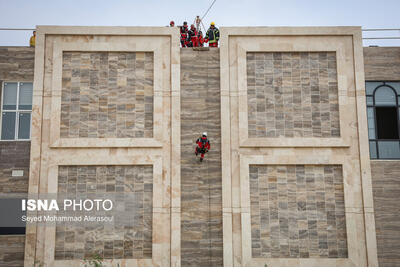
201 183
107 95
16 63
292 94
290 215
115 242
12 250
386 190
14 155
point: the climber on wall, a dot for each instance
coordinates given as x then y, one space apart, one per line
212 35
203 145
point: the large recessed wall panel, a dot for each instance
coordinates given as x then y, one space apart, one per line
107 95
134 187
296 175
297 211
292 94
102 126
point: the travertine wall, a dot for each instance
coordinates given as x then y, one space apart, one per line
294 98
297 211
292 94
201 183
107 95
16 64
14 156
12 250
189 202
386 188
132 241
102 123
383 64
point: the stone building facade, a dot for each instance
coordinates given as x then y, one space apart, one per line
288 180
16 65
383 64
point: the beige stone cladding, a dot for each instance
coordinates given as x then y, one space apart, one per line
107 95
293 97
16 65
102 102
14 155
386 188
297 211
383 64
12 250
201 183
134 185
292 94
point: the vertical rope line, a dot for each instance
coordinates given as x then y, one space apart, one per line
208 174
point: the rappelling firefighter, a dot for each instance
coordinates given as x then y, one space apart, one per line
203 146
184 34
212 35
192 37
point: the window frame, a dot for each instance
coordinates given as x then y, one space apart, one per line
17 111
373 106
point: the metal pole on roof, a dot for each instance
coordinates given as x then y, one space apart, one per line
381 30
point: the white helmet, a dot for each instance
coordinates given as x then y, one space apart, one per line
205 134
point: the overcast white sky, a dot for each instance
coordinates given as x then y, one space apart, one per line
367 13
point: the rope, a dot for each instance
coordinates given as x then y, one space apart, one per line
208 178
208 9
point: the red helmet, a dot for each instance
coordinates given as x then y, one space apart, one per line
171 22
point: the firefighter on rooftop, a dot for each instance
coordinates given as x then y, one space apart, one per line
32 41
184 34
212 35
193 37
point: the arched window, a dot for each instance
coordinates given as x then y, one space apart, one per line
383 111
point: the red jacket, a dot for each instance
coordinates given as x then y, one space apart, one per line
201 41
203 142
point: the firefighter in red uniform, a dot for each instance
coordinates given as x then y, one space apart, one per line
212 35
184 34
201 39
203 145
192 37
